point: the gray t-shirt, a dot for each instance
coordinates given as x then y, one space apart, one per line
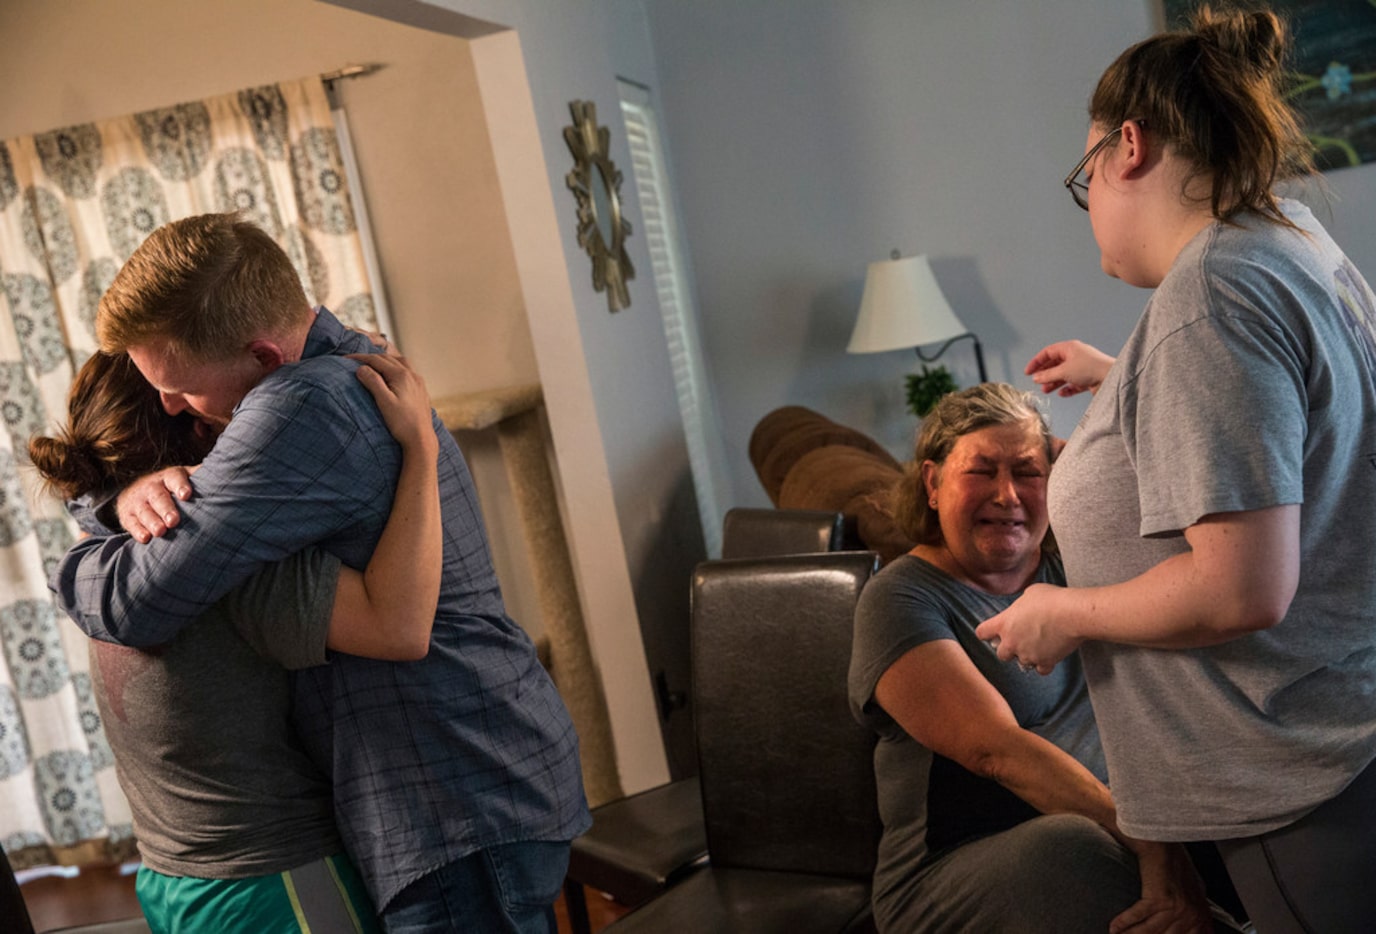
217 781
927 802
1249 382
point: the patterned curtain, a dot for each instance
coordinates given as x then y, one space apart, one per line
74 203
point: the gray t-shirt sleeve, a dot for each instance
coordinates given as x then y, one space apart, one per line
283 611
1212 407
895 615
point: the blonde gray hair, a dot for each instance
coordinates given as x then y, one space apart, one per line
955 415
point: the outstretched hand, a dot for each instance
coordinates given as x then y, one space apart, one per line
1069 368
1028 630
147 508
401 397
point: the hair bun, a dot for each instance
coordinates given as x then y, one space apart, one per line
69 467
1257 38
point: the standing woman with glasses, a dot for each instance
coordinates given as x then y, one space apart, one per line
1216 506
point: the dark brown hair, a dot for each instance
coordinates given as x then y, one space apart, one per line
116 432
207 284
958 414
1212 92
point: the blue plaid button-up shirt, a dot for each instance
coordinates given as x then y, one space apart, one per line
470 747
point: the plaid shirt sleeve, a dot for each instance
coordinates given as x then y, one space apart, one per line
306 459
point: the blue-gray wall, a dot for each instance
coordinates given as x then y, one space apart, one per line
810 137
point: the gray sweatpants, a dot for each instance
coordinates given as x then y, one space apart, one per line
1055 874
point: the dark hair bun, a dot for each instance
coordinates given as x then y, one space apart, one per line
1256 39
69 468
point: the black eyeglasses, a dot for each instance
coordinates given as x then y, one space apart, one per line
1079 190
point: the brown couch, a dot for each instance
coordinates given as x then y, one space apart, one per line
806 461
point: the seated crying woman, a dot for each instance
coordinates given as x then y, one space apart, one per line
234 822
991 779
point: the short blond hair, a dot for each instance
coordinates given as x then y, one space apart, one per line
206 285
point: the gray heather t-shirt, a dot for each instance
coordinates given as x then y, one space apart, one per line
1249 382
927 802
216 779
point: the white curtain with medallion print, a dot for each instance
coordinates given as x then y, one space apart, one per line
74 204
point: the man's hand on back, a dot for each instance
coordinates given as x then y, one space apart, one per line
147 508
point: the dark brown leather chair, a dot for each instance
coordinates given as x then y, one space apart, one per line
641 844
786 772
637 846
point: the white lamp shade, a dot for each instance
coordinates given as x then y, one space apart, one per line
902 307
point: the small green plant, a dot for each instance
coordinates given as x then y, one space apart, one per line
925 388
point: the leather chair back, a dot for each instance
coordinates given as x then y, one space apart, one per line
758 533
787 773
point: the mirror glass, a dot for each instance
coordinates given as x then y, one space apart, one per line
603 205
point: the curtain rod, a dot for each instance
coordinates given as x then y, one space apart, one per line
330 78
350 71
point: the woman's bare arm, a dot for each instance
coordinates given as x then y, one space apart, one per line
940 698
388 610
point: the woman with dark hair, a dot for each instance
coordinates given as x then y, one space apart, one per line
1216 505
234 822
116 432
991 780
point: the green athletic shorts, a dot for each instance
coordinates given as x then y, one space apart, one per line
322 897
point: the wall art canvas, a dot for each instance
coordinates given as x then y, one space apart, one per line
1334 83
